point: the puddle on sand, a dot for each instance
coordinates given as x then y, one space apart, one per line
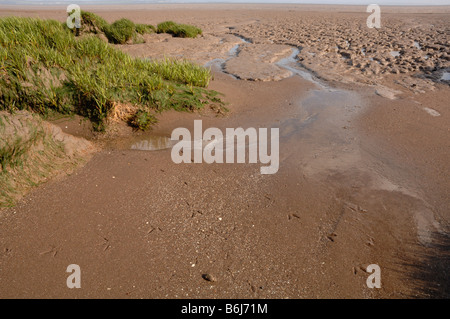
318 139
291 64
445 76
141 143
232 53
152 143
329 109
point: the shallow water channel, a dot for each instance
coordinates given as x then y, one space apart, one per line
324 103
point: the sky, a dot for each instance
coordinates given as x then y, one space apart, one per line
361 2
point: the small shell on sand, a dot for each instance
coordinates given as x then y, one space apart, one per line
386 92
432 112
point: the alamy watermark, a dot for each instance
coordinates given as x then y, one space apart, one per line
74 280
374 20
212 146
374 280
74 18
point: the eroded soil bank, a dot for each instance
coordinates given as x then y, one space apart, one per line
363 179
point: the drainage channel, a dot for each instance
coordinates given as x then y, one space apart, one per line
290 63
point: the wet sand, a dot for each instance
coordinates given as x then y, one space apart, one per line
364 174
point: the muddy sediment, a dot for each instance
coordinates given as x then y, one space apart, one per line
364 172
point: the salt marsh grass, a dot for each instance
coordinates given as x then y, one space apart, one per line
178 30
45 68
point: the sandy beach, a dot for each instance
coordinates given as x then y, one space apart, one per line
364 174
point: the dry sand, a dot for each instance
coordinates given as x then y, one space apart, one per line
364 175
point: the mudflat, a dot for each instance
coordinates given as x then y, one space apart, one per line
364 174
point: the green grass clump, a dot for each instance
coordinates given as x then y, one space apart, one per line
165 27
91 22
187 31
179 30
142 120
44 67
123 30
120 31
145 28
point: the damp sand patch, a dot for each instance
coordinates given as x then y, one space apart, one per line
257 62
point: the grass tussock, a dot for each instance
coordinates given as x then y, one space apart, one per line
44 67
142 120
125 31
145 28
92 23
119 32
178 30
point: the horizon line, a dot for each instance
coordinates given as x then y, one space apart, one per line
104 3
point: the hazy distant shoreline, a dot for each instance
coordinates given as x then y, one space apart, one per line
113 6
419 3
